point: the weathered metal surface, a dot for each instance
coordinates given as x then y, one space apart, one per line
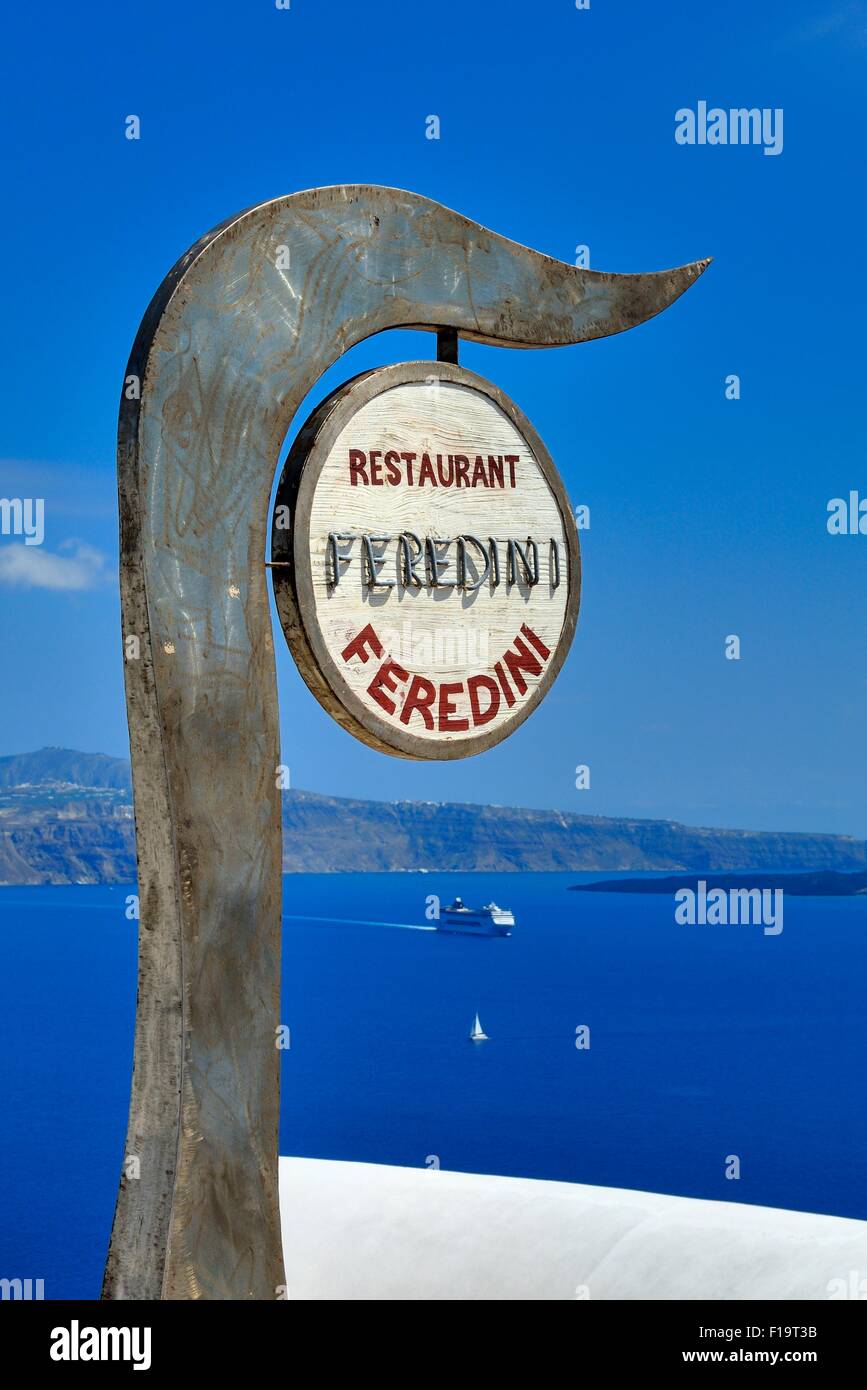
228 348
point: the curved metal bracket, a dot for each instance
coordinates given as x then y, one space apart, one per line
235 337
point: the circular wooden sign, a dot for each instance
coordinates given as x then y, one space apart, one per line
425 561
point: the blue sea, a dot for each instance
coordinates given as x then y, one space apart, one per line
705 1042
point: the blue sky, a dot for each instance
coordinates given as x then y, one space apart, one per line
707 515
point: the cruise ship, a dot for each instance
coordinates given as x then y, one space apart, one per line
476 921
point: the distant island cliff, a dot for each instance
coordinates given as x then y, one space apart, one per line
66 817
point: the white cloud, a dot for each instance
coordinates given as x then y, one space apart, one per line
69 489
31 567
849 21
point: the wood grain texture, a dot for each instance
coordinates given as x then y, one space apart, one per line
227 350
446 635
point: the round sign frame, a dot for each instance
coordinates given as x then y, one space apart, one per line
292 576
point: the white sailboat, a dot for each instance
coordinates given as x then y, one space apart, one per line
477 1034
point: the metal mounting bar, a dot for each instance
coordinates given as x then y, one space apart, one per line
447 345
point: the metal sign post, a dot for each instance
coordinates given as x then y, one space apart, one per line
237 334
